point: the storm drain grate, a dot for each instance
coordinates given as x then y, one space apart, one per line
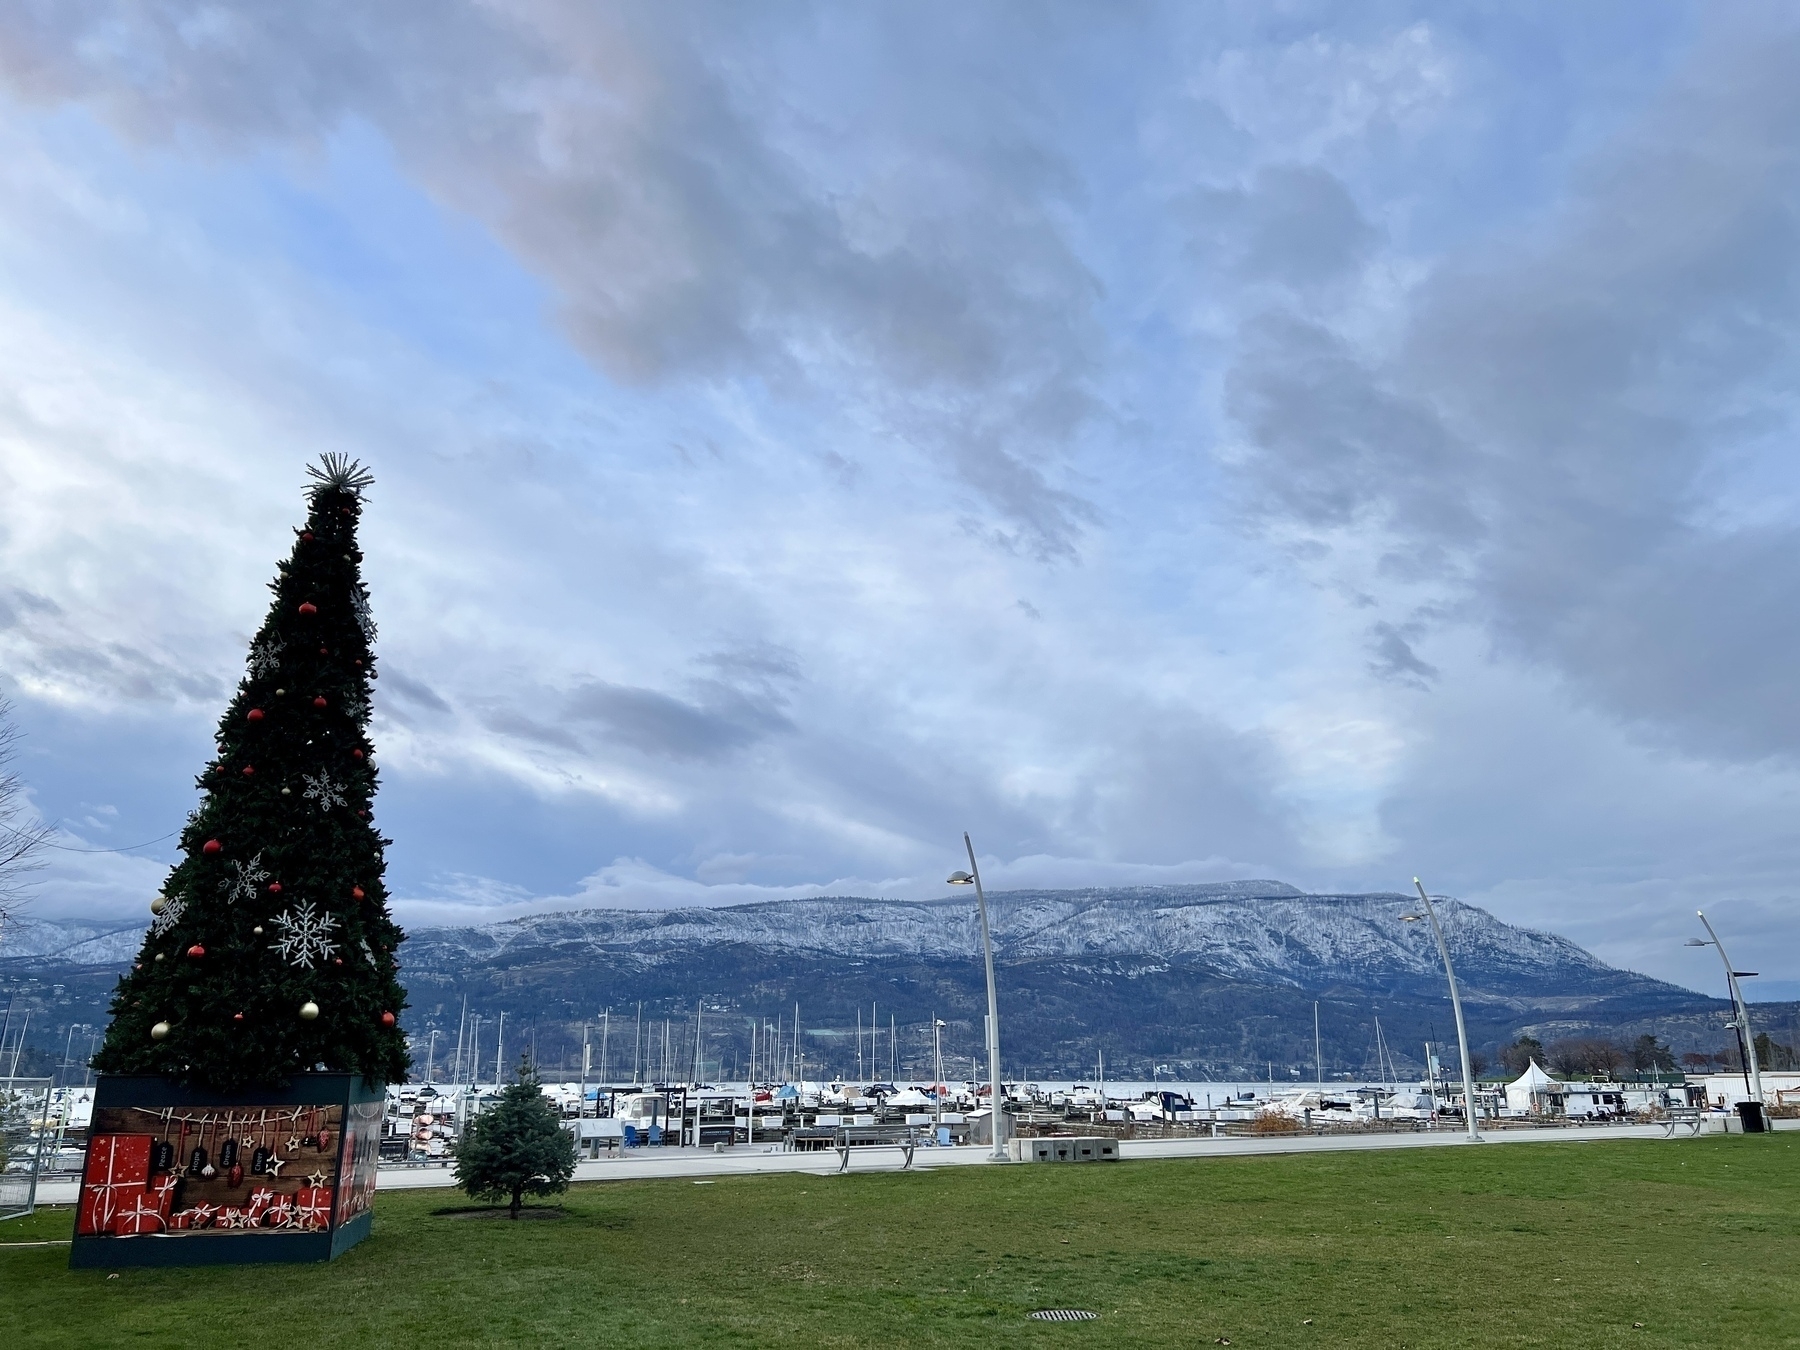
1064 1315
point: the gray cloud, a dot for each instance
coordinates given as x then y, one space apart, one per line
17 605
654 180
1340 446
1295 224
1395 658
410 691
656 724
888 306
1570 400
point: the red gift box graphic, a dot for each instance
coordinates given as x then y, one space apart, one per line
280 1214
200 1216
143 1215
162 1190
260 1200
312 1207
118 1165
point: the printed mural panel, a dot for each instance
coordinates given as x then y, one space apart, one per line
182 1170
362 1149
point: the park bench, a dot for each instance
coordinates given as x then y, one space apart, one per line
1690 1116
859 1136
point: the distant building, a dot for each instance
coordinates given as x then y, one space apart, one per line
1726 1090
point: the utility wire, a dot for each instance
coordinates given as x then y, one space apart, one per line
65 848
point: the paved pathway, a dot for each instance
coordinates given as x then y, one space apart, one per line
704 1164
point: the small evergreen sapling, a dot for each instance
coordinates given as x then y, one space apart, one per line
517 1145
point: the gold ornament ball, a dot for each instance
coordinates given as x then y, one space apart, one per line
257 930
159 956
158 905
160 1032
280 693
286 791
308 1010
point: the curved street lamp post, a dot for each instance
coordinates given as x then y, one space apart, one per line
1753 1074
996 1098
1462 1036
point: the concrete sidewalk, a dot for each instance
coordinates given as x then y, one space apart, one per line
704 1164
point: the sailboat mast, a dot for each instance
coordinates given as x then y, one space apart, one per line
1318 1057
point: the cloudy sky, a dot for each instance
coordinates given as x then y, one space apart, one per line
1172 443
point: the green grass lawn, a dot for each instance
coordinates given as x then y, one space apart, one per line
1521 1244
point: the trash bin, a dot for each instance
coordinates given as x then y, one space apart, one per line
1751 1113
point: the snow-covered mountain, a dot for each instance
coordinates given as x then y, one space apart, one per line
27 942
1222 979
1264 931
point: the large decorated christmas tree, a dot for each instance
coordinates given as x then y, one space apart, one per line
272 952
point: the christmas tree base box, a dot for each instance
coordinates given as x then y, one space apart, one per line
177 1177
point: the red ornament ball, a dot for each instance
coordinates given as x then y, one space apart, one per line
337 960
237 1017
254 715
357 753
213 845
356 892
306 535
388 1019
274 888
324 651
196 951
319 701
308 608
249 769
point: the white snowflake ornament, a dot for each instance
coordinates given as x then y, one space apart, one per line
321 789
306 936
265 658
359 606
170 915
243 885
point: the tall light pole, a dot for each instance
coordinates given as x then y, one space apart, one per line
1462 1036
1754 1080
973 876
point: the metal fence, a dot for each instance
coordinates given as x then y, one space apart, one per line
24 1136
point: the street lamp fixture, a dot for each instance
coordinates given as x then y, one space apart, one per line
1462 1036
973 878
1746 1042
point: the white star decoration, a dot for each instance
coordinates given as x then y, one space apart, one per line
306 938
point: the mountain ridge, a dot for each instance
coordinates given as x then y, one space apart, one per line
1211 979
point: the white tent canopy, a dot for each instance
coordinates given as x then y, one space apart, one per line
1529 1091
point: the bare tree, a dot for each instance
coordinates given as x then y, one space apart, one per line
21 838
1586 1055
